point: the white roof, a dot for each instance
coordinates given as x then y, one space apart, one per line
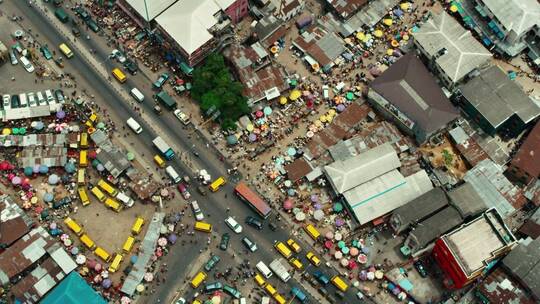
347 174
386 193
463 52
153 7
517 15
187 22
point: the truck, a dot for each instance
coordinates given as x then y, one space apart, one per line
278 267
163 148
166 100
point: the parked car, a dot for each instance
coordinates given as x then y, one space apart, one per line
180 301
131 66
59 95
201 190
13 58
310 279
321 277
421 268
210 287
233 224
272 226
249 244
313 258
118 55
252 221
294 245
184 191
82 13
224 244
6 101
323 291
92 25
212 262
46 53
161 80
199 216
183 117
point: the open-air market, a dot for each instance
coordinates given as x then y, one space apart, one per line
270 151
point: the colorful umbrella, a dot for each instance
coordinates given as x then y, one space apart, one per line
295 94
28 171
344 262
267 111
6 131
328 244
405 5
130 156
259 114
338 207
341 244
300 216
16 180
48 197
283 100
340 107
387 22
378 33
291 151
43 169
60 114
360 36
53 179
288 204
318 215
100 125
22 131
106 283
338 255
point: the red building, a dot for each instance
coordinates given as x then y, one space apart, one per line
470 250
235 9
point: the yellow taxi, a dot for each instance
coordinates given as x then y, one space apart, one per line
260 280
313 258
296 263
294 245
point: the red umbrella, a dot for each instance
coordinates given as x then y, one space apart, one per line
92 154
288 204
328 244
352 264
5 165
259 114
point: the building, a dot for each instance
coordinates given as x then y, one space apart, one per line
494 188
143 11
525 166
194 29
502 25
500 287
467 201
73 290
254 68
346 8
268 30
321 48
235 9
14 222
470 250
371 184
450 50
523 262
531 227
109 155
418 209
497 104
285 9
407 94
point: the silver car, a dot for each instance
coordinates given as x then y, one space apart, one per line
32 102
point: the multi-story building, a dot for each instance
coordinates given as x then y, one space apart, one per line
503 25
470 250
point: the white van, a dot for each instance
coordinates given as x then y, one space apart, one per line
172 174
23 102
134 125
41 99
137 94
26 64
264 270
126 200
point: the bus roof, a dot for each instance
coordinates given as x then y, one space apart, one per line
253 198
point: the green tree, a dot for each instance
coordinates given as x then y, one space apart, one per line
214 87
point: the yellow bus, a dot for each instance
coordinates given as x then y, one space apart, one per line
107 187
270 289
339 283
279 298
137 226
73 226
83 196
103 254
202 226
119 75
80 177
98 194
87 241
83 160
84 140
259 279
128 244
198 279
65 50
283 249
113 204
115 263
312 232
214 186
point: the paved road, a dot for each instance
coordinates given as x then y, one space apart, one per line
213 205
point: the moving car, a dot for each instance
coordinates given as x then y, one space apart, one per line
224 244
252 221
313 258
212 262
199 216
184 191
183 117
294 245
249 244
161 80
421 268
46 53
210 287
233 224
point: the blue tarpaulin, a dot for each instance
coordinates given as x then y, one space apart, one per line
73 290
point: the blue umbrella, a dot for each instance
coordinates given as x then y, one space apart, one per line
69 167
28 171
39 125
48 197
232 140
133 259
43 169
53 179
291 192
291 151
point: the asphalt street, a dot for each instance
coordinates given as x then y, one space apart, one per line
214 205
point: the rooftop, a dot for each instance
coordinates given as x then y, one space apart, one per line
188 23
73 290
432 227
516 15
467 201
383 194
324 47
345 8
14 222
347 174
524 263
527 157
150 9
479 242
368 16
456 51
499 287
409 86
298 169
497 97
494 188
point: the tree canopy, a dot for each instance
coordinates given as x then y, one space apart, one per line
214 87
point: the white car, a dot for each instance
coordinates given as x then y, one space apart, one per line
118 55
199 216
31 99
233 224
26 64
6 101
181 116
49 96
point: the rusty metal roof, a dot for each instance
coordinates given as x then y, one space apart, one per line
527 158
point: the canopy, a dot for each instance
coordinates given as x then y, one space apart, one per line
288 204
295 94
378 33
291 151
53 179
22 131
318 215
28 171
100 125
360 36
350 96
267 111
300 216
60 114
283 100
405 5
387 22
232 139
453 8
